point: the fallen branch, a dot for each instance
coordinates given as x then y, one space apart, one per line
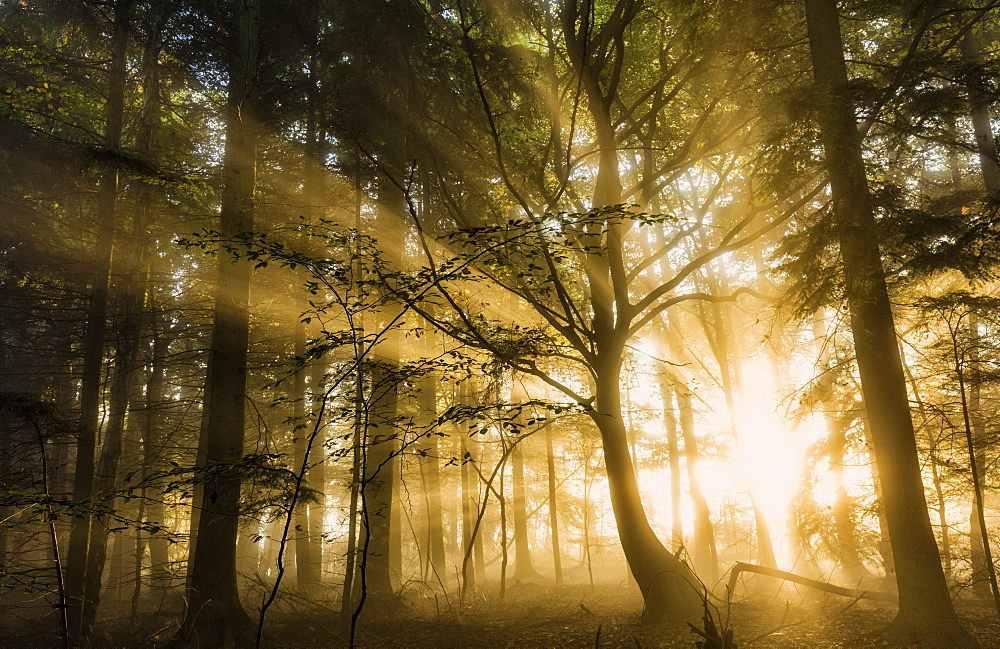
741 567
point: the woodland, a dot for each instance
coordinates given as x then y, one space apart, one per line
499 323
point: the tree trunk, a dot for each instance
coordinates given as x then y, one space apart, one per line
306 569
974 465
731 375
884 542
926 614
159 572
990 170
553 507
347 597
121 399
673 458
156 326
469 510
524 570
317 510
106 478
670 589
849 557
430 470
214 615
93 343
704 552
380 451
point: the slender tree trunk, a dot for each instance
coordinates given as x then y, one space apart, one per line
360 421
396 522
93 344
974 464
306 568
159 571
468 513
989 166
586 557
155 324
553 507
849 557
383 443
106 478
350 571
479 459
884 542
121 396
214 615
704 553
309 552
318 473
838 425
673 458
942 511
926 614
729 370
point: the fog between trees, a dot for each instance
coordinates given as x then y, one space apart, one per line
390 318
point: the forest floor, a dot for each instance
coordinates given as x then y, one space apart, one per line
543 617
535 617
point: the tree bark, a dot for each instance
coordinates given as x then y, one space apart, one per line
213 615
380 451
93 343
670 589
469 509
524 570
151 441
989 167
673 458
429 458
553 507
306 568
926 614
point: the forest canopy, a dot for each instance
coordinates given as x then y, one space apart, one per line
499 323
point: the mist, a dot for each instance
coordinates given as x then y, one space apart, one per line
630 323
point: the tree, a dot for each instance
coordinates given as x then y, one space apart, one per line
213 614
90 397
925 612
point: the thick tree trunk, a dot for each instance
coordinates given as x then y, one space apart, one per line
926 614
430 470
380 451
670 589
524 570
214 616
